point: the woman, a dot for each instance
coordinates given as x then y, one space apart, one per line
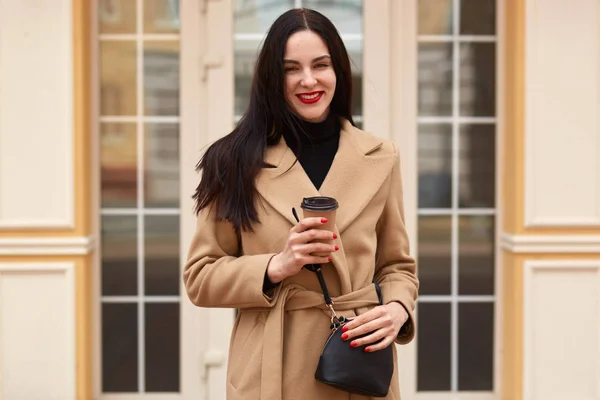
297 139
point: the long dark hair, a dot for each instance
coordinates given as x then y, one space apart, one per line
230 165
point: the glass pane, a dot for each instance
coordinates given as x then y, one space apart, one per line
161 16
119 255
119 347
435 79
346 15
476 346
257 16
434 257
435 17
161 78
117 16
162 255
435 166
161 165
433 348
477 170
478 79
246 52
477 17
118 76
355 55
162 347
118 165
476 255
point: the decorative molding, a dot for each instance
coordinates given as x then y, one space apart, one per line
529 269
550 243
37 149
27 246
562 142
68 269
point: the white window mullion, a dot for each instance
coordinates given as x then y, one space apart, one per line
137 299
456 37
142 118
455 198
136 36
463 211
140 193
432 298
461 120
136 211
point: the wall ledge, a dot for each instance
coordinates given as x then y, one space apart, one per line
29 246
550 243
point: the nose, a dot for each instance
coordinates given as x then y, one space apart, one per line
308 80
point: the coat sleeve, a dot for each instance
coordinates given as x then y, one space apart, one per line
217 275
395 268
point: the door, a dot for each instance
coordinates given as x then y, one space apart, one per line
451 48
154 78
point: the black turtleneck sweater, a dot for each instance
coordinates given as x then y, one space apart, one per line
319 144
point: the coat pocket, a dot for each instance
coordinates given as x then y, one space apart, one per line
245 359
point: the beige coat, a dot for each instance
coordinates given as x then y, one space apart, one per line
277 338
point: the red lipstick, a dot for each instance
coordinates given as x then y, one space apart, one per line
311 97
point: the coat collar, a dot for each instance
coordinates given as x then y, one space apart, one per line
356 174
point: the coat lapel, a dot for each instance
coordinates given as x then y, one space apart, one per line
356 174
283 184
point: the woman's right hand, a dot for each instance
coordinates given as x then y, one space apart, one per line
297 251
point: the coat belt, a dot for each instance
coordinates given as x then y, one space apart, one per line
294 297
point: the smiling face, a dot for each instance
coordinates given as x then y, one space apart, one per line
309 76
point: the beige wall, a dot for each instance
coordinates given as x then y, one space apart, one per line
45 187
551 197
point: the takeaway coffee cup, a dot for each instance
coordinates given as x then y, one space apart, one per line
322 207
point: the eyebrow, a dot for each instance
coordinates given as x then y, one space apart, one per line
314 59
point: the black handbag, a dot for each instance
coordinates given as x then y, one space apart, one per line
352 369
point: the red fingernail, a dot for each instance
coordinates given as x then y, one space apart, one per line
353 344
337 248
330 259
324 220
334 236
344 336
368 350
345 329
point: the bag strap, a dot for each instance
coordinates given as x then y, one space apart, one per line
326 296
316 268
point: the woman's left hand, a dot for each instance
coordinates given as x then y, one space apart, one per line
384 322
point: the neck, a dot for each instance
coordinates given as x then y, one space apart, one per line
313 133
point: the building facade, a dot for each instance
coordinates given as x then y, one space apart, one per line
107 105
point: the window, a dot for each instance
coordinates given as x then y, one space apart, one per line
139 127
456 172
